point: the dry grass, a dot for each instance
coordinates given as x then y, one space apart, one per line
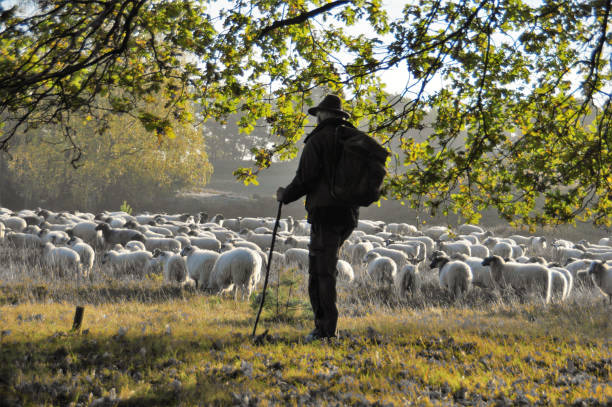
144 343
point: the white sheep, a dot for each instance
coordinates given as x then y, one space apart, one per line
479 250
605 241
85 251
407 279
435 232
55 236
86 231
601 274
127 262
411 249
345 270
518 275
163 244
134 246
174 267
199 263
481 275
559 283
467 229
452 248
297 257
381 269
455 276
22 240
236 269
502 249
206 243
61 258
399 257
402 229
14 223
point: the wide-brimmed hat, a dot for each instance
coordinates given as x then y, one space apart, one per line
330 103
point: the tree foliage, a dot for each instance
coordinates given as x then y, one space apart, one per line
520 90
122 165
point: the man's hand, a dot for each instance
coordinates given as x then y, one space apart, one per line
279 194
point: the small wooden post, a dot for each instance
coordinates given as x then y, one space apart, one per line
78 318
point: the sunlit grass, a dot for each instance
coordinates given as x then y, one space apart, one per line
145 343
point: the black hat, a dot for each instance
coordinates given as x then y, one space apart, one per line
330 103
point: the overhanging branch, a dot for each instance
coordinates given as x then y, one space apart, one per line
301 18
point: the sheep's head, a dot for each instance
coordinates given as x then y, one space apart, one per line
187 250
369 256
156 253
103 226
597 267
439 262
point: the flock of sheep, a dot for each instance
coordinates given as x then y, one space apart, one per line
221 255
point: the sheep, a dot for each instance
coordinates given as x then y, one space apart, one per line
14 223
296 257
86 231
481 275
502 249
355 252
370 227
345 270
163 244
426 240
112 236
61 258
300 242
561 254
434 232
470 238
518 275
605 241
134 246
559 283
174 267
381 269
411 249
22 240
601 274
400 258
127 262
407 279
451 248
455 276
402 229
568 278
236 269
479 250
467 229
199 264
262 240
55 237
85 251
206 243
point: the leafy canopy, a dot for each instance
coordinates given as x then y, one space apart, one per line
518 92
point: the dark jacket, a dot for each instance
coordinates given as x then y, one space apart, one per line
311 178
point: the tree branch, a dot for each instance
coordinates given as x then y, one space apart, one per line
301 18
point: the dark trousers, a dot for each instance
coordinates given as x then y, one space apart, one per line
325 242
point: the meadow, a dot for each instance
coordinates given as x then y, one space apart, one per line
146 343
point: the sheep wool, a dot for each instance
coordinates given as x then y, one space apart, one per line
601 274
236 269
531 277
455 276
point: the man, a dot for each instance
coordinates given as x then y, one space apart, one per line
331 221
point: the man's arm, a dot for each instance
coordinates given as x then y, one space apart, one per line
307 174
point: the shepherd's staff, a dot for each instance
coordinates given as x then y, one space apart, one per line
263 294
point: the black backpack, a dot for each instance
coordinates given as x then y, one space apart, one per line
356 178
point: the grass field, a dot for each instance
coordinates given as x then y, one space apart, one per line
144 344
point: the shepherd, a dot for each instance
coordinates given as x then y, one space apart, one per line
331 220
